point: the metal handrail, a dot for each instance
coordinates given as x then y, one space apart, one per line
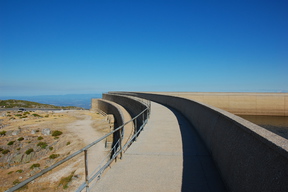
100 171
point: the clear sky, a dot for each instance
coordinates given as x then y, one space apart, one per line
52 47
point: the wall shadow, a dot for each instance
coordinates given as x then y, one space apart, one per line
199 170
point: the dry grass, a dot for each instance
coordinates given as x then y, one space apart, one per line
55 121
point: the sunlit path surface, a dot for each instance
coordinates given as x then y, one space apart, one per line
167 156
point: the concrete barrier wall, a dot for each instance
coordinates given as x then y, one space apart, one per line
121 116
134 107
249 157
275 104
109 108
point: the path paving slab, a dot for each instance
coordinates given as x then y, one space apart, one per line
167 156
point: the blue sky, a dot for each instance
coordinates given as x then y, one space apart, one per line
83 47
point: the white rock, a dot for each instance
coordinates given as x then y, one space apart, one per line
46 131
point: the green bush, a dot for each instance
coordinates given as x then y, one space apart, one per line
65 180
68 143
50 148
29 151
56 133
3 133
1 149
19 171
54 156
43 145
5 151
16 182
40 138
36 115
35 165
10 142
10 172
20 139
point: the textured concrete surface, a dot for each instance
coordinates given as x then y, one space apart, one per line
249 157
240 103
120 114
167 156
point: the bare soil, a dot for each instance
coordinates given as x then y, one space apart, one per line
23 131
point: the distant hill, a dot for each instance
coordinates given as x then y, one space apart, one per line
12 103
78 100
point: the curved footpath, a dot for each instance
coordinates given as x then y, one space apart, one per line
167 156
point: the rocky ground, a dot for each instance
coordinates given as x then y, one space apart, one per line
33 141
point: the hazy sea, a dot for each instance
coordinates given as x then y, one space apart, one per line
276 124
78 100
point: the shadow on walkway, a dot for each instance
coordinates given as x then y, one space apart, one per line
199 170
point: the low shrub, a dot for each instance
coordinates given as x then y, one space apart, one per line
26 113
5 151
36 115
68 143
40 138
35 165
29 151
66 180
20 139
2 132
56 133
16 182
10 142
50 148
19 171
10 172
1 149
43 145
54 156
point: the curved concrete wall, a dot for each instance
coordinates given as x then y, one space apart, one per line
133 106
109 108
120 114
275 104
249 157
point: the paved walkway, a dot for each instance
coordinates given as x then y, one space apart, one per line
167 156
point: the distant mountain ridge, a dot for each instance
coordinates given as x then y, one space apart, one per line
13 103
78 100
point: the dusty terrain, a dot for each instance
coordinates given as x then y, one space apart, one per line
33 141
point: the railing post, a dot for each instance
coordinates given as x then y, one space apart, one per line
143 119
86 170
136 128
121 135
